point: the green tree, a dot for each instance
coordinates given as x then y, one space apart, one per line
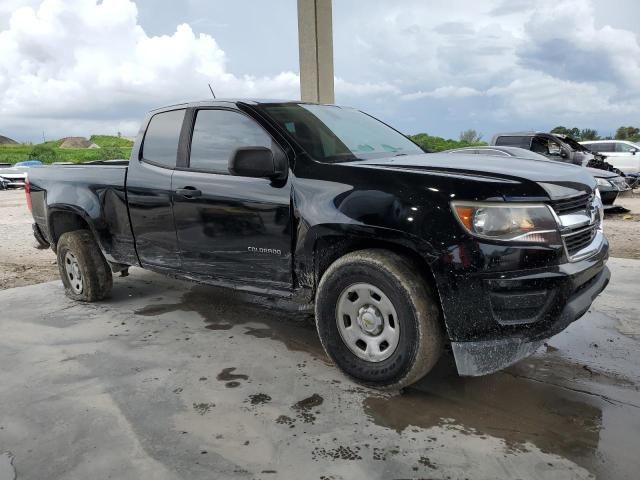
470 136
627 133
44 153
572 132
589 134
438 144
113 153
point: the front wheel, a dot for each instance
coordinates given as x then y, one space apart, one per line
378 320
84 271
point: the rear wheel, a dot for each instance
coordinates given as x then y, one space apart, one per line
378 320
84 271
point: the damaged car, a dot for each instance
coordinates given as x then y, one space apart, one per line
555 146
401 252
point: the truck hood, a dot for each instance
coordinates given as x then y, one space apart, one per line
599 173
556 178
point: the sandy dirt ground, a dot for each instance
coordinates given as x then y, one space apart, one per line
622 229
21 263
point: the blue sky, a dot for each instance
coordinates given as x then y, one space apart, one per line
76 67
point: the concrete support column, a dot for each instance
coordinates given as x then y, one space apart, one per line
315 43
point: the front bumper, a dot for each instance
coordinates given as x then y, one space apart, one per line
496 318
488 356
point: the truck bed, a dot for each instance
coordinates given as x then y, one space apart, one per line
96 191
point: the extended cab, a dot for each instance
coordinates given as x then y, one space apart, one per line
401 251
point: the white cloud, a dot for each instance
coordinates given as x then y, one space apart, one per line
77 59
512 64
443 92
564 41
73 66
346 88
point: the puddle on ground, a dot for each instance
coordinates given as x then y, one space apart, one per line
258 399
223 309
305 406
203 408
226 375
506 405
7 472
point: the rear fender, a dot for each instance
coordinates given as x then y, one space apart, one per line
62 218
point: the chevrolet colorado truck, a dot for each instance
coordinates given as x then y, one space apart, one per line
402 252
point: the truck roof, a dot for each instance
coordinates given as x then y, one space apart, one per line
218 101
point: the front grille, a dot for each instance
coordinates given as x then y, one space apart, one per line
578 203
579 239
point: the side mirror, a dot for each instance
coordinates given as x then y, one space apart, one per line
260 162
633 151
563 153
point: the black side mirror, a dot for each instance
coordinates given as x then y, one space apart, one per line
259 162
563 153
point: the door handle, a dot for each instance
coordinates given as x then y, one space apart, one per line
189 192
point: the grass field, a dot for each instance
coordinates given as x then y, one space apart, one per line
49 152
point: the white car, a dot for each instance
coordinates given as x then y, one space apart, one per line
12 177
621 154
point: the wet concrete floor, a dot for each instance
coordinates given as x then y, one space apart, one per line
171 380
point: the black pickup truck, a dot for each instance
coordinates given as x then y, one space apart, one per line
402 252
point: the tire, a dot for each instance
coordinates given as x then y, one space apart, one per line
417 336
78 252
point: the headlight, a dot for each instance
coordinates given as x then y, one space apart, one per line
603 182
508 221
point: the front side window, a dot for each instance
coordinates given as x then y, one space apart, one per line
545 146
331 134
216 136
624 147
162 137
554 148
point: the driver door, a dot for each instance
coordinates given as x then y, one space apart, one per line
231 227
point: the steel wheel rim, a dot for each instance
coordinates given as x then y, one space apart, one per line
367 322
74 275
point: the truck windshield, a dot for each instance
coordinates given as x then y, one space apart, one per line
336 134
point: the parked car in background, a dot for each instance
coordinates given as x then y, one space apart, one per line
12 177
610 184
555 147
622 154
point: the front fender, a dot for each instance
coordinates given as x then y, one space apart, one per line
320 245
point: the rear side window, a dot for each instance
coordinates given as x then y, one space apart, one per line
162 137
522 142
216 136
601 147
592 147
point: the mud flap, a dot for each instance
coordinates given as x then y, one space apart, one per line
481 358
